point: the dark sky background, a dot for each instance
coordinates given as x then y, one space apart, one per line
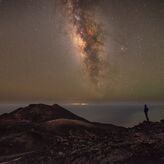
38 61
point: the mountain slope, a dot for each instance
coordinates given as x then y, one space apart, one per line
48 134
41 113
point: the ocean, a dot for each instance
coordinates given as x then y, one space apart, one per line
125 114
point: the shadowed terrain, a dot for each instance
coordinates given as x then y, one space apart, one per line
48 134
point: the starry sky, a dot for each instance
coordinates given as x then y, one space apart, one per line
39 62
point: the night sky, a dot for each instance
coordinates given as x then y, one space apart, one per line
39 61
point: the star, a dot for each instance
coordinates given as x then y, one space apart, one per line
123 49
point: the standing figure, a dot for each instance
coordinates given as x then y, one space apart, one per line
146 109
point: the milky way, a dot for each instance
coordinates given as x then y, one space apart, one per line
81 51
88 35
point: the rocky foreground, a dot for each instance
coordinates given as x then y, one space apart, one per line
43 134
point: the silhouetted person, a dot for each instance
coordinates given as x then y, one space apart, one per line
146 109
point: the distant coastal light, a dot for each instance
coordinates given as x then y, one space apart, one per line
79 104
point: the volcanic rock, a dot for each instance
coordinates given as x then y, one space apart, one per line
48 134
